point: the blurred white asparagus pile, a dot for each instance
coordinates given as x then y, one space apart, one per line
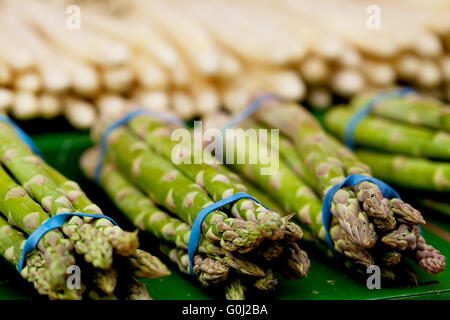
196 56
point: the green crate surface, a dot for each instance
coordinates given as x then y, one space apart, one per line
325 281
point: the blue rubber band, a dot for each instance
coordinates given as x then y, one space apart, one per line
241 116
350 181
362 113
52 223
196 230
22 135
123 121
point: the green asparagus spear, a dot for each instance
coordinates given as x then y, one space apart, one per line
145 265
27 169
235 290
218 184
408 171
416 109
124 243
24 213
391 136
311 142
36 269
145 215
171 189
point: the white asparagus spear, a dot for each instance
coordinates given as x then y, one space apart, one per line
50 105
138 33
54 76
205 95
380 74
99 49
6 99
428 45
118 79
314 70
408 66
183 105
5 74
80 113
192 40
429 75
149 74
110 106
251 39
152 100
229 65
25 105
18 58
28 81
347 82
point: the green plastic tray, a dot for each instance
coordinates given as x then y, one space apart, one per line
325 281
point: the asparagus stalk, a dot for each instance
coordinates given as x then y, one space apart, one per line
218 184
146 216
36 269
284 183
124 243
408 171
391 136
27 169
208 270
311 142
145 265
23 212
414 108
171 189
267 283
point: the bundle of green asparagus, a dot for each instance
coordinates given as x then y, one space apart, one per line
405 141
149 177
366 227
107 258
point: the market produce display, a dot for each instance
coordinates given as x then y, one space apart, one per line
107 256
236 137
245 243
84 58
366 227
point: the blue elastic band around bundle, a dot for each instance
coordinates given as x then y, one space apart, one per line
196 230
362 113
169 118
350 181
22 135
52 223
243 115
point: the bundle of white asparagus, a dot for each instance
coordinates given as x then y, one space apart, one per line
82 59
